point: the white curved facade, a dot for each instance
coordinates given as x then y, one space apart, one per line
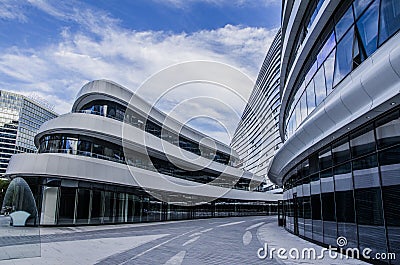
339 121
116 159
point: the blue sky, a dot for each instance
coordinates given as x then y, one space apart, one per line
52 48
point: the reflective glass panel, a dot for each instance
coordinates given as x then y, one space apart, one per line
310 97
367 27
391 195
325 159
290 126
344 57
307 214
315 184
360 6
389 161
388 130
313 161
390 19
371 231
362 142
344 23
109 205
345 206
298 114
365 171
315 13
329 67
340 152
316 217
345 214
311 72
320 89
294 121
329 218
82 209
72 146
97 206
343 177
66 211
359 54
84 147
327 181
303 105
326 49
120 209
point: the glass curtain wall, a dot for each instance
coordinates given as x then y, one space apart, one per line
83 203
350 188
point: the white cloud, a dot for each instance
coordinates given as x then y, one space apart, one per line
12 9
102 49
207 107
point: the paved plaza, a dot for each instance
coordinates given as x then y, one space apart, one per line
234 240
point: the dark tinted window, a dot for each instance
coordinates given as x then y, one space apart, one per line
340 152
390 19
388 130
362 142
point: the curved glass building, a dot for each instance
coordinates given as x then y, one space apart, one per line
256 138
340 122
116 159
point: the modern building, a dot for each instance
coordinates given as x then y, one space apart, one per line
257 138
20 119
340 122
116 159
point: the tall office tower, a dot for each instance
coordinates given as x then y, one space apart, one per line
20 119
340 122
256 138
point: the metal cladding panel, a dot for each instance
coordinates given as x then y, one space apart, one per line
322 120
381 75
101 87
336 109
355 98
312 130
297 143
394 59
303 136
